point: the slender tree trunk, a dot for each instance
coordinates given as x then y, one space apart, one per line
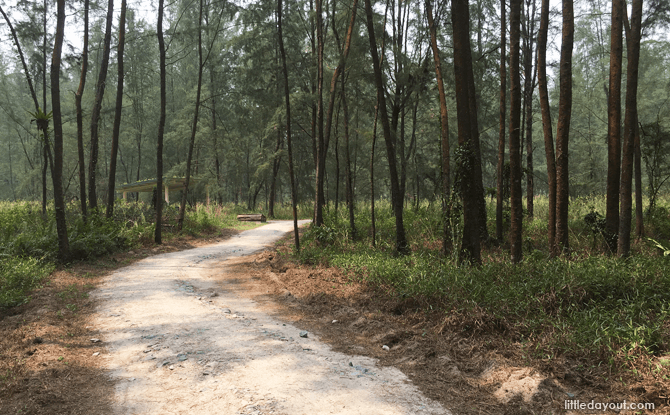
347 159
319 200
516 224
117 116
467 133
444 129
289 144
639 219
97 107
625 191
396 197
57 176
528 89
563 128
276 162
44 107
161 126
372 175
194 126
614 128
500 167
547 127
80 115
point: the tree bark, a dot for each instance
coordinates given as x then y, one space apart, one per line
444 129
97 106
633 37
563 128
194 126
639 217
528 89
57 176
347 159
467 133
614 128
289 144
396 197
547 127
80 115
117 115
320 144
161 126
516 223
500 168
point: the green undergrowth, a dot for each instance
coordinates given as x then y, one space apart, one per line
589 305
29 241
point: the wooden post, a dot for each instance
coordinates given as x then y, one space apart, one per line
167 194
207 195
125 195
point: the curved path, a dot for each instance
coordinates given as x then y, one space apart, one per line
177 345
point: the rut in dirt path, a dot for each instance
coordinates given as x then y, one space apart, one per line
176 344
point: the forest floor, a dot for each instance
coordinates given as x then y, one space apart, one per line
203 333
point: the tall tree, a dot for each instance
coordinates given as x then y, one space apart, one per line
516 223
563 128
529 86
500 168
468 133
194 125
633 37
97 107
117 115
289 144
80 115
444 127
396 197
161 125
614 127
57 176
320 199
547 128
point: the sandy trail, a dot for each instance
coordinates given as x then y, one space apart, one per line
176 344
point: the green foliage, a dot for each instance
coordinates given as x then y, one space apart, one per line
29 244
588 305
18 276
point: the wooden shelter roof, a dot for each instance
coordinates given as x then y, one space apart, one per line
173 183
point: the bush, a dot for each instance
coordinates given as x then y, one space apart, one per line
18 276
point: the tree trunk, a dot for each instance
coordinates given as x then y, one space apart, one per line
117 115
44 107
80 115
528 89
444 129
639 219
614 128
500 168
396 197
57 176
563 129
294 196
347 159
633 37
194 127
161 126
97 106
319 200
547 127
467 133
516 223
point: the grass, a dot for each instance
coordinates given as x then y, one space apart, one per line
28 240
588 305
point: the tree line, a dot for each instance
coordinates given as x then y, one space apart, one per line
274 101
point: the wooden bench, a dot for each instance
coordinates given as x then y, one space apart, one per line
252 217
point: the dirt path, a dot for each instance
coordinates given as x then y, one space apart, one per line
175 344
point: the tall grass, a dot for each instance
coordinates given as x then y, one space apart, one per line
588 304
29 242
